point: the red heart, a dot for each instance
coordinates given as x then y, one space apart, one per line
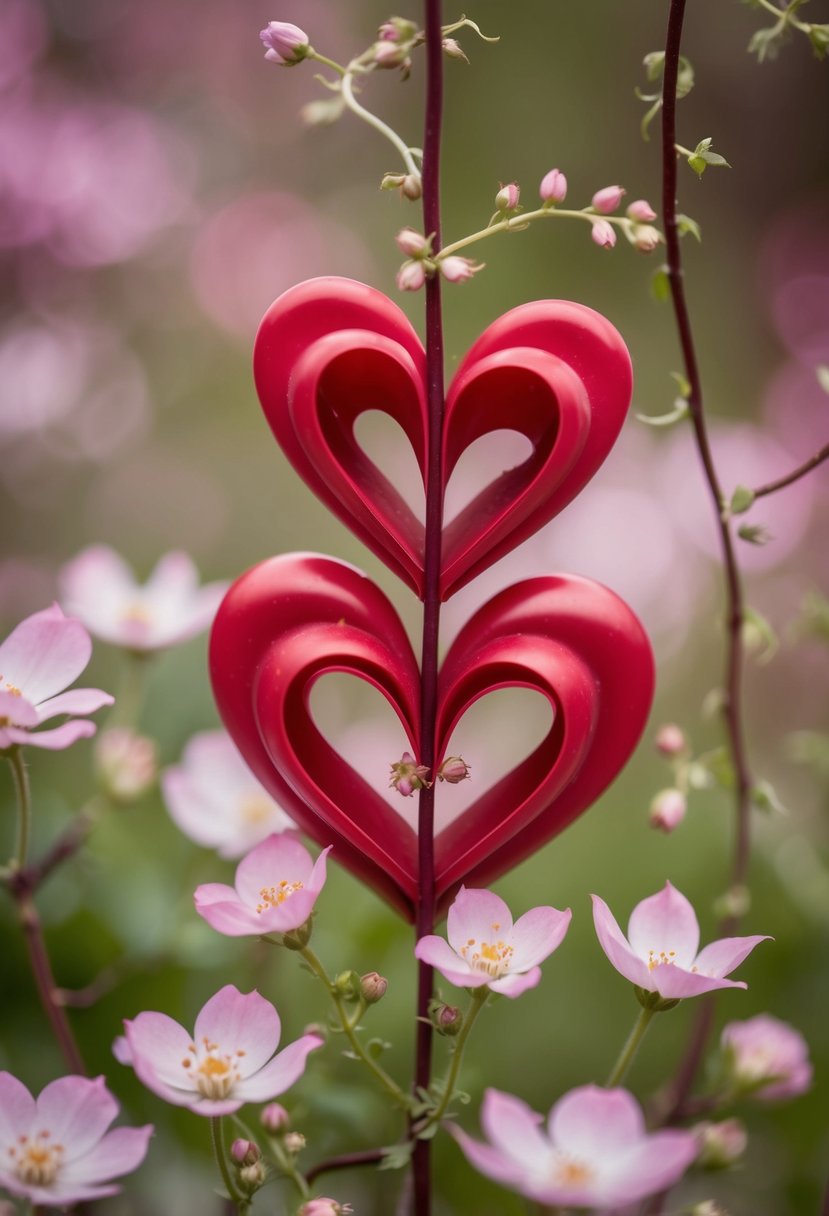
292 619
556 372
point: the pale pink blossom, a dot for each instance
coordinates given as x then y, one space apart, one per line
214 798
274 1118
390 54
276 887
411 276
323 1206
99 587
603 234
484 946
720 1144
667 810
287 44
641 211
553 188
126 763
413 244
660 953
768 1057
645 238
40 657
593 1153
606 201
55 1150
227 1061
670 740
457 270
407 775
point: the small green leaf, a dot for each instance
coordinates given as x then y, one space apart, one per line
654 63
720 766
822 373
396 1156
429 1132
755 534
819 38
679 412
759 636
682 384
661 285
684 78
702 157
764 797
376 1047
741 500
686 225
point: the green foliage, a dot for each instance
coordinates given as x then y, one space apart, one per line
654 69
702 157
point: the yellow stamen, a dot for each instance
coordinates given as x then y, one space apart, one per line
273 897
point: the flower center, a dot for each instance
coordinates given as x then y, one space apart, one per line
254 809
273 897
493 958
12 688
661 958
215 1072
568 1172
35 1161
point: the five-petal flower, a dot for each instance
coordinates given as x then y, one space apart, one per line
594 1151
99 587
660 953
485 947
767 1057
38 659
277 885
227 1061
55 1150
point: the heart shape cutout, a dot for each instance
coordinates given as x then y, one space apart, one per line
295 618
556 372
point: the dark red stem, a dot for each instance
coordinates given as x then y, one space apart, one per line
346 1161
772 487
432 561
735 608
46 987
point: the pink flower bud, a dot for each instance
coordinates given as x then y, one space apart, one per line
407 775
397 29
413 244
389 54
274 1118
252 1176
287 44
668 810
411 276
373 986
294 1142
458 270
641 210
603 234
670 740
448 1020
245 1152
453 770
553 188
646 238
408 184
720 1144
323 1206
607 200
507 197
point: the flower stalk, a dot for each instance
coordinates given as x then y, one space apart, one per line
628 1053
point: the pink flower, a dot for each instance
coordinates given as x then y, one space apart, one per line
216 800
55 1150
411 276
277 885
485 947
668 810
640 210
458 270
660 952
227 1061
413 244
287 44
38 659
603 234
407 775
767 1057
594 1151
323 1206
607 200
553 188
99 588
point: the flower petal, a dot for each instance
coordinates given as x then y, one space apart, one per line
158 1045
675 983
119 1152
665 922
654 1164
722 957
487 1160
591 1123
437 952
17 709
279 858
515 1130
76 1112
17 1109
241 1022
615 946
57 739
44 654
536 934
477 914
280 1073
224 911
75 701
514 985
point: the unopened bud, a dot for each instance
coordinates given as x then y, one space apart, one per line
274 1118
413 244
720 1144
668 810
390 54
408 184
323 1206
126 763
287 44
670 740
507 197
397 29
603 234
348 985
553 188
446 1019
645 238
252 1176
410 277
245 1152
607 200
406 775
294 1142
298 939
454 769
373 987
641 211
454 49
457 270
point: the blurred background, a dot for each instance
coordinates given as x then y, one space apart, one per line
157 191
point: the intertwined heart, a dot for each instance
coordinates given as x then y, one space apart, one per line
554 371
293 619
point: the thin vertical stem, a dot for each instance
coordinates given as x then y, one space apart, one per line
432 563
628 1052
46 987
735 607
24 804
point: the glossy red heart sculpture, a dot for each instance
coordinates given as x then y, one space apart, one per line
556 372
295 618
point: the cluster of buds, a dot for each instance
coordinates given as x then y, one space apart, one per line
669 806
421 263
250 1169
286 44
407 775
396 38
